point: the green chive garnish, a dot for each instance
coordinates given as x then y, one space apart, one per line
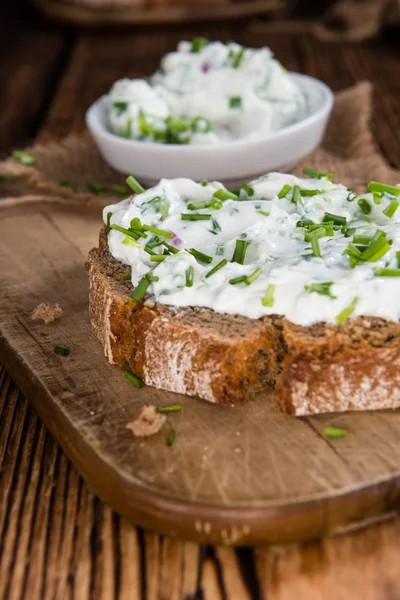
377 196
204 182
240 251
135 185
324 289
142 286
149 250
375 250
315 246
198 43
398 258
61 350
121 190
237 280
304 192
348 231
189 276
346 312
127 232
128 130
68 184
264 213
391 209
255 275
216 204
120 106
171 437
364 206
159 232
96 186
109 215
158 257
335 432
168 409
387 272
134 379
296 196
305 223
363 239
248 189
224 195
317 175
235 102
198 205
24 158
268 299
216 226
284 191
217 267
200 256
375 186
336 219
125 277
351 196
238 58
195 217
172 249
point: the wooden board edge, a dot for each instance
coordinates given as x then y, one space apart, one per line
288 523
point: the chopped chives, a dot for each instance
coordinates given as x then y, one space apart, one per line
198 205
133 379
121 107
351 196
125 277
324 289
109 215
217 267
198 43
375 186
398 258
135 185
151 277
349 232
172 249
164 209
127 241
337 219
248 189
317 175
128 130
375 250
156 231
96 186
377 196
264 213
171 437
144 126
296 196
158 257
235 102
237 280
315 246
168 409
204 182
142 286
189 276
305 223
304 192
68 184
284 191
216 226
391 209
195 217
61 350
200 256
222 194
121 190
216 204
346 312
335 432
149 250
364 206
378 234
24 157
253 276
316 232
238 58
387 272
240 251
128 232
351 250
154 243
363 239
268 299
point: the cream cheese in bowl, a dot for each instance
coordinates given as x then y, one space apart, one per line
206 93
308 249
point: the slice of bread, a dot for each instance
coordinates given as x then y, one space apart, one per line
223 358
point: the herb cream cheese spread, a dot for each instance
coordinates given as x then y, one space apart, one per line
305 248
204 93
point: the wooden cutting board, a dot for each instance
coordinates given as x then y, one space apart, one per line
240 475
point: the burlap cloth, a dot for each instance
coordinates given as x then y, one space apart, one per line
348 149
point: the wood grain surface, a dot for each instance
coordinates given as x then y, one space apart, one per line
57 539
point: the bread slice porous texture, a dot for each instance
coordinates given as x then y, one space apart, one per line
228 358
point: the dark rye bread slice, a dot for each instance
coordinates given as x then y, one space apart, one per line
225 359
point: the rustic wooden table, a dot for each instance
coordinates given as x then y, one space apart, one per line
57 539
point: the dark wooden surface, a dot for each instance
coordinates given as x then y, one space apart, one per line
57 540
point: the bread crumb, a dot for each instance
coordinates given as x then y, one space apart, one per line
148 422
47 312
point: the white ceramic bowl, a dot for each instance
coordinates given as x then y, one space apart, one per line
230 162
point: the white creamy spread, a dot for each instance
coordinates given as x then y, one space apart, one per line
204 93
311 250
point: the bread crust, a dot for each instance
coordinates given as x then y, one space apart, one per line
226 359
